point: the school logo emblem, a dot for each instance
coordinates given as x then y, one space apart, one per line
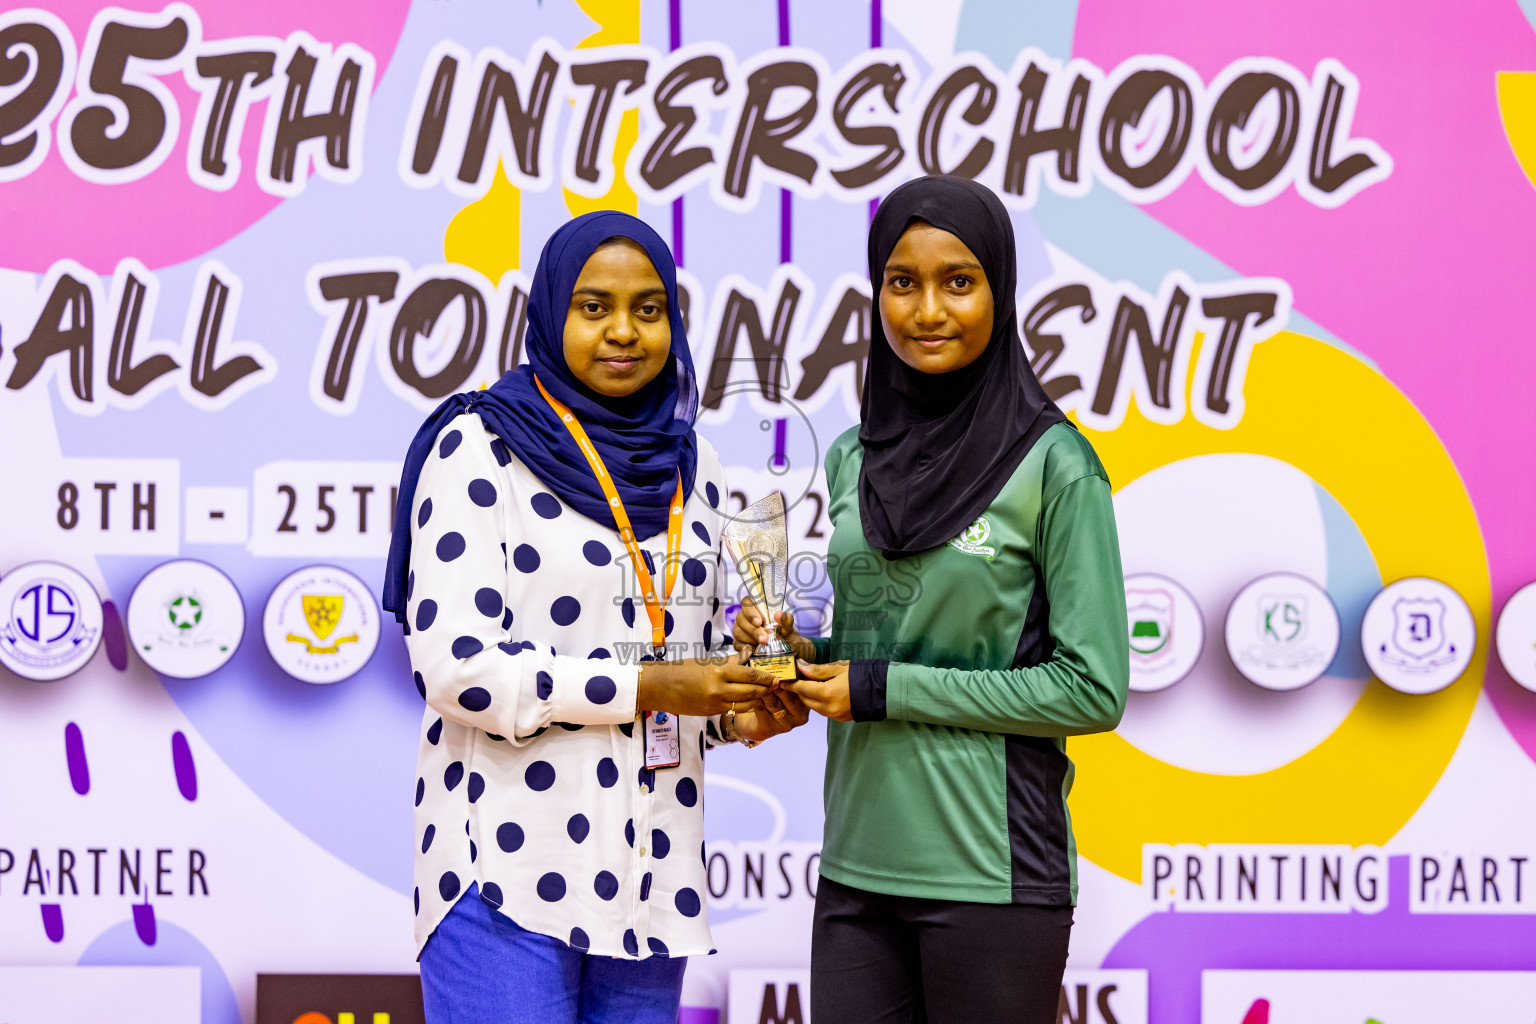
973 539
322 612
1418 635
1149 614
1516 636
1282 620
1282 631
185 619
1166 631
321 624
52 623
185 612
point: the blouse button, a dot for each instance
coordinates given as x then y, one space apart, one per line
642 851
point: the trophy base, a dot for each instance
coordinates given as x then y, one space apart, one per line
780 666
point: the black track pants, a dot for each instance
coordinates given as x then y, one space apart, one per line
879 959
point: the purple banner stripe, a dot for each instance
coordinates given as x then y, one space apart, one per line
74 757
786 226
183 765
675 39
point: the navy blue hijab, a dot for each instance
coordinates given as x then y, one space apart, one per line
645 439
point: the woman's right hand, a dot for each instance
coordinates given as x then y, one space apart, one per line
700 686
751 631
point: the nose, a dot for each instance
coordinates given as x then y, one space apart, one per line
930 307
621 328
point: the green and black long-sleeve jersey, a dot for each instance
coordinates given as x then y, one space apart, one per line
973 662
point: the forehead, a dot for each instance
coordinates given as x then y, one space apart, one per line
922 243
619 263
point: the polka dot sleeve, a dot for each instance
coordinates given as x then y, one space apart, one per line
716 634
461 635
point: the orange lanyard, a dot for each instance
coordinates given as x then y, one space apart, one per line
655 608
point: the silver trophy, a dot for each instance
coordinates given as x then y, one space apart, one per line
759 545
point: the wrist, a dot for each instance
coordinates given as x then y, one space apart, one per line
654 681
730 730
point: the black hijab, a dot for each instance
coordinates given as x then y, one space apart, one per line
938 448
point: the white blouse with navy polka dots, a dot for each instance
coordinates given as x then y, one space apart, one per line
524 627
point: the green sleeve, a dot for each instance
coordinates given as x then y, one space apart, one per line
831 464
1082 687
823 645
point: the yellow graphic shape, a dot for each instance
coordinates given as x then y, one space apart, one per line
487 234
1517 109
618 23
1348 428
322 612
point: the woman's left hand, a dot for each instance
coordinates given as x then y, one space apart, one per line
824 689
776 712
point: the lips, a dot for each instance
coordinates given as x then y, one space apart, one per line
931 342
621 363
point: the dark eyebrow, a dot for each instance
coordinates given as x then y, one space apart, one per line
948 268
601 293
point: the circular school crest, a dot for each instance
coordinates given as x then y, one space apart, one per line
1166 629
1516 636
973 539
1418 635
321 624
185 619
1282 631
52 621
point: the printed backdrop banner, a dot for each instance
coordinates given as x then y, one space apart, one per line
1275 260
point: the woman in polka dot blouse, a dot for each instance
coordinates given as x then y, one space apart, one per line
558 879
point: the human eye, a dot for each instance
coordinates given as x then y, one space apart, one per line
962 281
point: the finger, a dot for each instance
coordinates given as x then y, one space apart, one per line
807 690
750 613
740 673
786 623
826 671
793 704
818 706
740 694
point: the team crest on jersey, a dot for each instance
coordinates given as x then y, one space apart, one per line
973 539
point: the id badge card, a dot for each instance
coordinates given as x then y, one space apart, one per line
663 740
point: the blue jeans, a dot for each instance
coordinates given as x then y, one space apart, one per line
480 967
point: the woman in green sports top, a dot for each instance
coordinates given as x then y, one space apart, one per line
979 620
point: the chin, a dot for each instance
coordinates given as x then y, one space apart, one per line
933 362
613 385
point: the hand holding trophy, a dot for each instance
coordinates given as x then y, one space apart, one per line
758 541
